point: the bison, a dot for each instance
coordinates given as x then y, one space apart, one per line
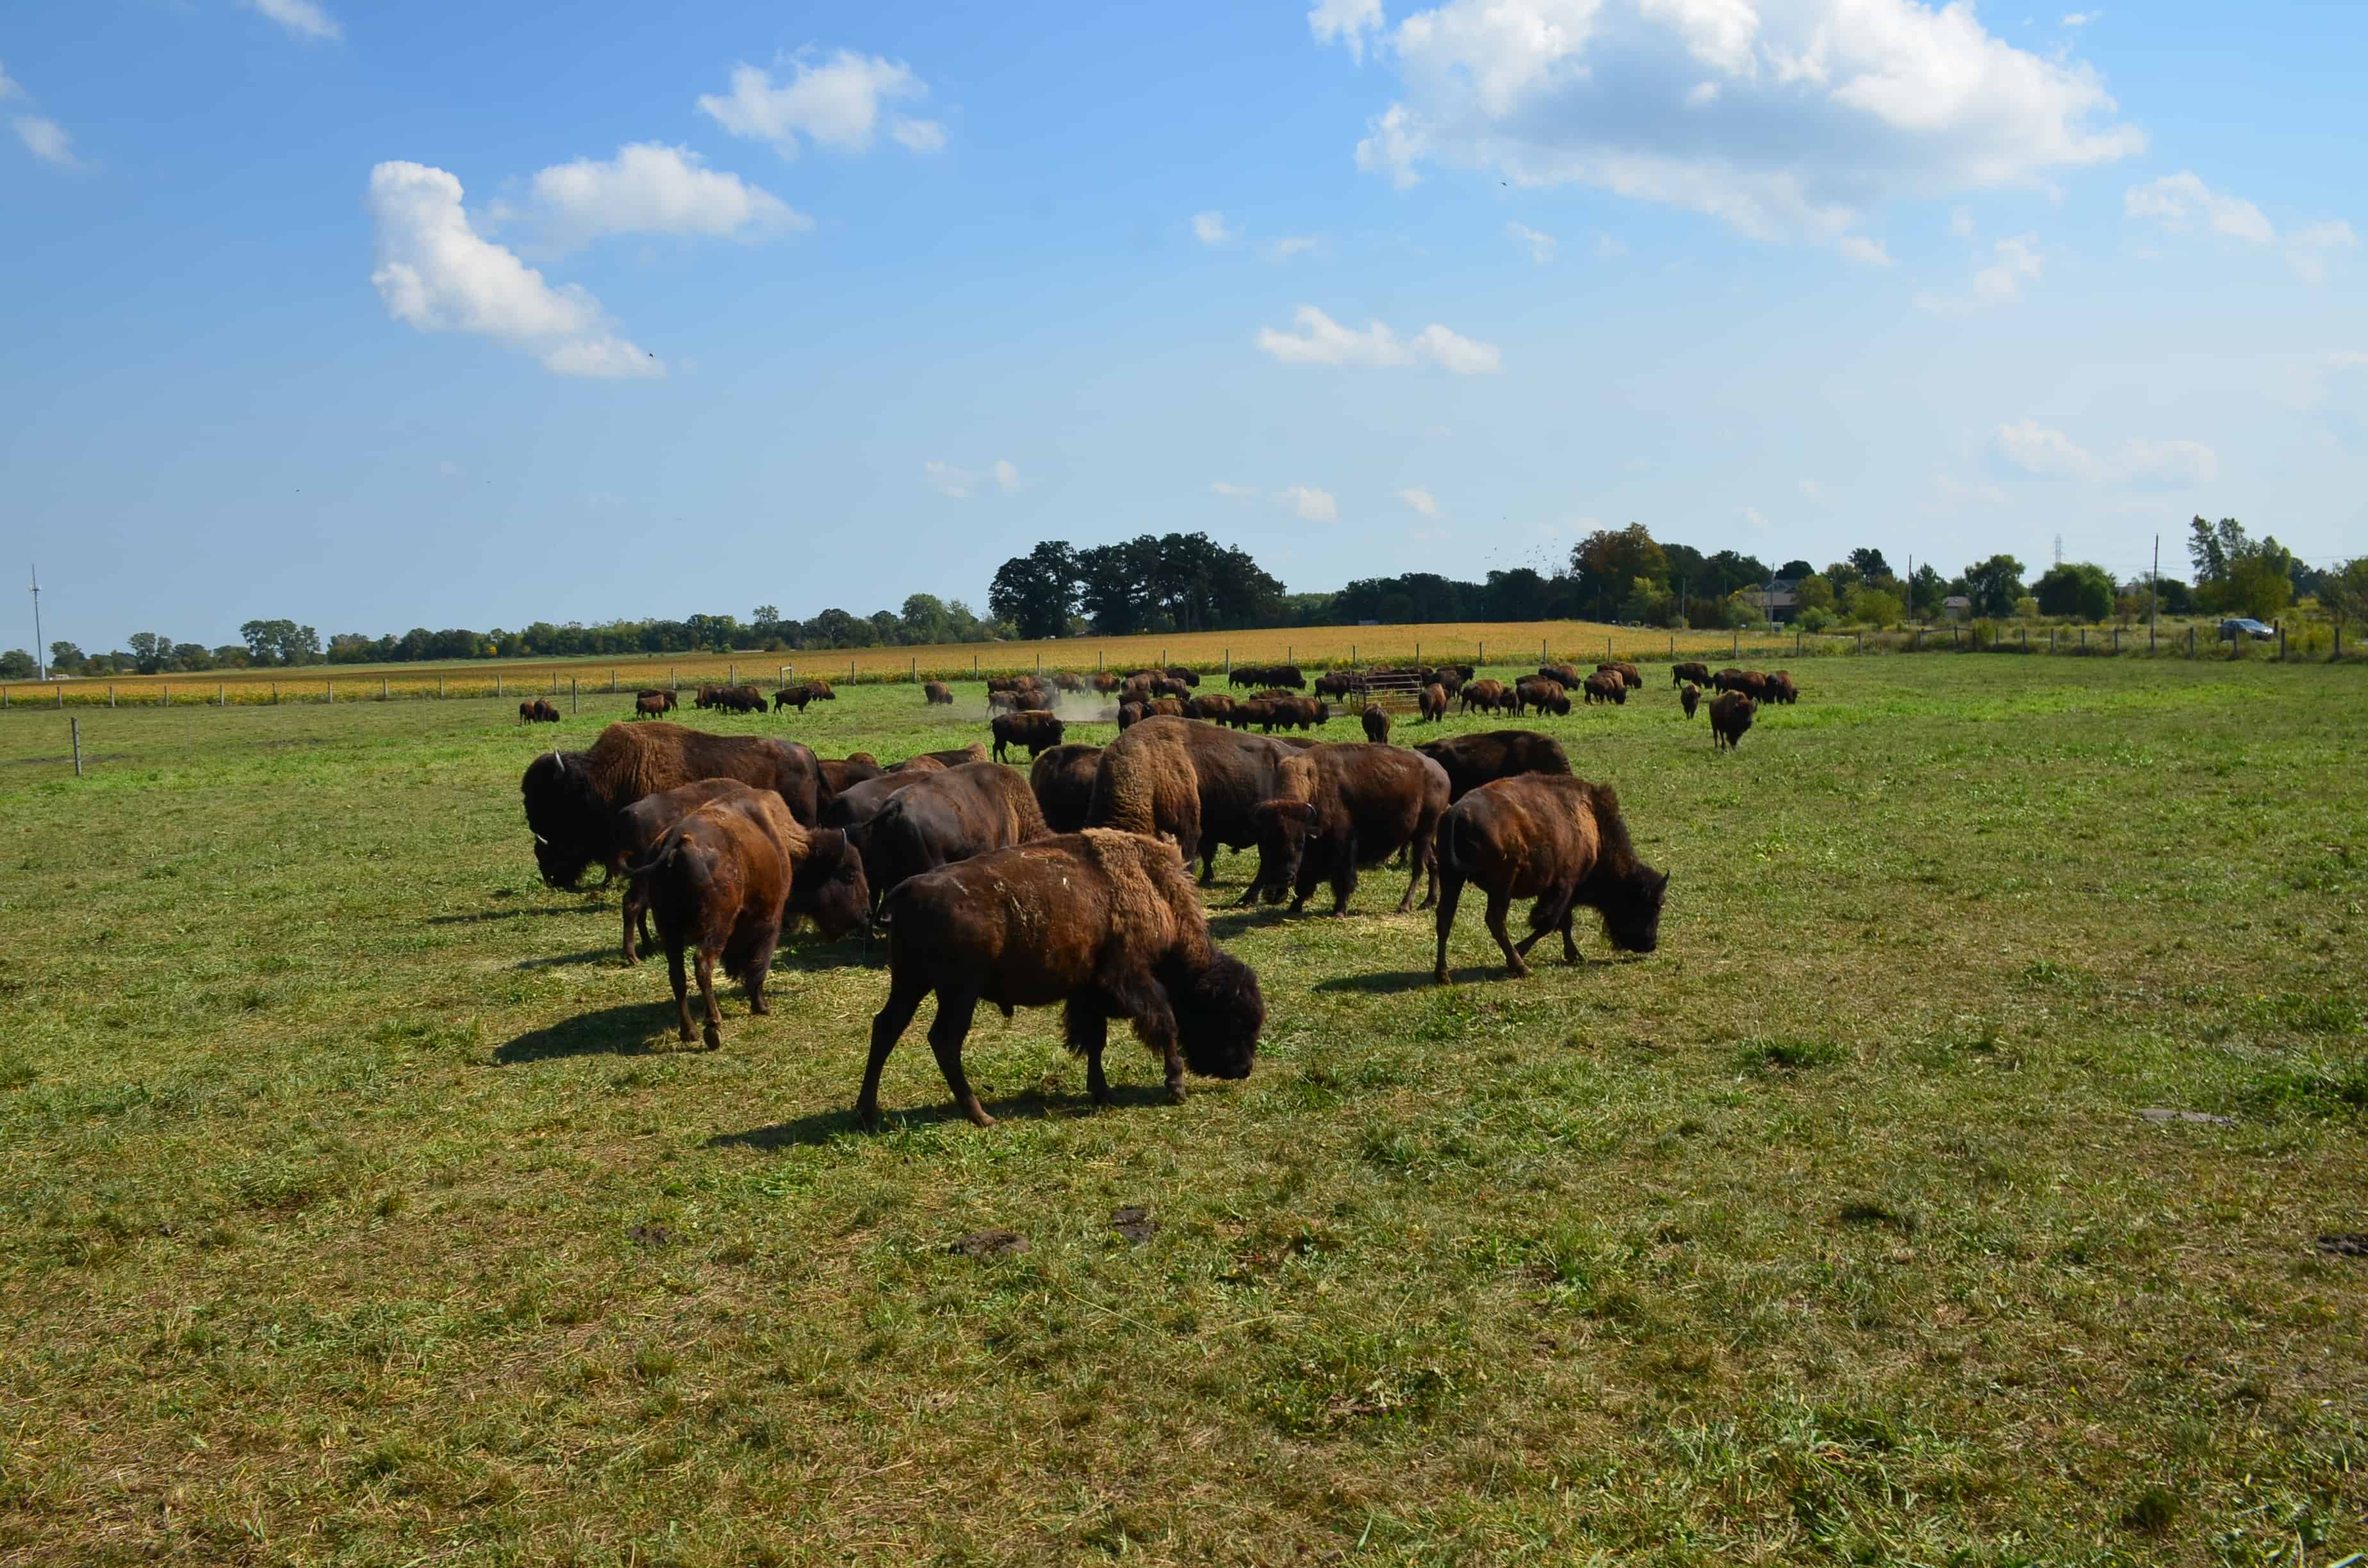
1780 688
1559 840
1564 675
720 882
826 867
1627 673
1689 695
842 774
1730 715
1692 671
1607 686
736 699
650 704
1358 805
1068 680
938 692
1485 695
572 798
859 803
1179 673
666 698
1377 725
946 817
956 757
1105 682
1433 702
798 695
1214 706
1130 713
1545 696
1034 729
1063 783
1196 783
1339 682
538 712
1104 921
1474 760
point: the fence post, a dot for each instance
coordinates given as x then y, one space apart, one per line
2190 641
165 695
612 679
674 682
4 697
2281 642
439 687
1797 635
275 695
497 686
574 697
1862 642
110 697
381 689
913 672
1484 654
1039 663
1735 643
731 675
61 695
73 728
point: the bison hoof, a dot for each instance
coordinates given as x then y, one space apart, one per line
1439 975
1518 970
714 1038
759 1007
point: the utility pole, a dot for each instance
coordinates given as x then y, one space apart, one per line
41 649
2154 591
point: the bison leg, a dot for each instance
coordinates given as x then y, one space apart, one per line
761 963
947 1032
888 1027
1344 875
1499 903
1209 870
1569 942
1448 897
1087 1028
681 987
636 911
713 1031
1552 914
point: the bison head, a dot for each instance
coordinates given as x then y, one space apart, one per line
1283 829
568 817
1219 1012
829 886
1632 909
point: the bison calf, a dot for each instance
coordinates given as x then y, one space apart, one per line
1105 922
1690 696
1559 840
1433 702
937 692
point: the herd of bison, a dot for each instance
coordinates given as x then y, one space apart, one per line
1073 885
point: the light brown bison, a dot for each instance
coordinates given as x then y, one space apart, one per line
938 692
1164 707
720 881
1104 921
1607 686
1689 695
538 712
1474 760
953 757
1545 696
1628 673
1063 783
1105 682
841 774
1433 702
948 816
1036 729
572 798
1377 725
651 704
1195 783
1559 840
1781 689
826 882
1485 695
1068 680
1692 670
1730 715
1214 706
1354 806
666 701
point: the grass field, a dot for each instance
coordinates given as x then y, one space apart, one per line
356 1206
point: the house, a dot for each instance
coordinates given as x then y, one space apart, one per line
1957 606
1777 601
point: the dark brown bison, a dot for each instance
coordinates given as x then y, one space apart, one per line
1692 670
1104 921
573 798
1377 725
946 817
1063 783
720 882
1474 760
1628 673
1129 713
1607 686
1296 712
1485 695
1105 682
1360 805
1433 702
1195 783
1545 696
736 699
1564 675
1730 715
798 693
666 698
651 704
1559 840
1285 675
1214 706
844 773
1751 683
859 803
1002 683
1164 707
1034 729
538 712
1339 682
827 877
938 692
1780 688
955 757
1689 695
1179 673
1068 680
1725 678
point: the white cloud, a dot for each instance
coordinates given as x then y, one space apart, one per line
1608 249
301 18
1751 515
1318 339
46 139
2180 201
1289 246
1209 229
838 103
1822 109
1235 491
1540 247
2081 18
436 273
1346 21
1311 504
2001 283
2307 249
1859 248
1007 475
1961 222
651 188
956 483
1813 490
2051 454
1421 500
8 89
1957 493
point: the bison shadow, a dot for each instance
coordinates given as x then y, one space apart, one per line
590 955
1390 983
636 1029
822 1126
524 912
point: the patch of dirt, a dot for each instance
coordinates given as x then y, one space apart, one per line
990 1243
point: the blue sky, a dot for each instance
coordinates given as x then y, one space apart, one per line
378 315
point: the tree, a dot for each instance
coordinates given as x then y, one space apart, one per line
1870 564
1925 592
2074 589
1521 594
1875 607
1606 565
192 656
2344 591
17 664
282 642
2260 585
1994 584
1036 592
1812 592
1793 571
64 658
151 650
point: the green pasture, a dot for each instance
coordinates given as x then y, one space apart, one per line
356 1206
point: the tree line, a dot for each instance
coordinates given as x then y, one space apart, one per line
1190 583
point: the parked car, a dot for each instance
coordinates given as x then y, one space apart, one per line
2232 629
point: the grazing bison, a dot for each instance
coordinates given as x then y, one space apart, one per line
720 882
1214 706
1433 702
1169 687
650 704
1068 680
1339 682
1689 695
953 757
664 696
946 817
572 798
1063 783
1730 715
1297 712
1751 683
538 712
1689 670
1105 682
1129 713
844 773
1725 678
1559 840
1485 695
938 692
1628 673
827 883
859 803
1036 729
1286 676
1105 922
798 695
1164 707
1002 702
1474 760
1362 805
1564 675
1195 783
1545 696
1781 689
1607 686
1177 672
1377 725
